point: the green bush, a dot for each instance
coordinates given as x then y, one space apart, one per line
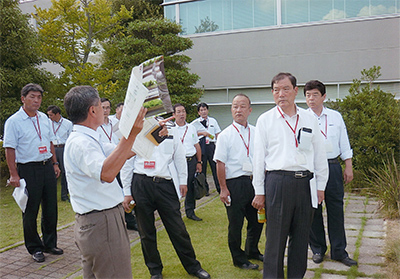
372 117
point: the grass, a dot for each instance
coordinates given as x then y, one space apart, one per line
210 242
11 216
392 249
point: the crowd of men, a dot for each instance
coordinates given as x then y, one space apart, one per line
287 164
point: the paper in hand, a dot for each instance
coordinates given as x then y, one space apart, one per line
20 195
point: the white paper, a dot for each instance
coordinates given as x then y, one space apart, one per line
20 195
135 96
142 145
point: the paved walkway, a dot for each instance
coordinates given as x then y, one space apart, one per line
364 228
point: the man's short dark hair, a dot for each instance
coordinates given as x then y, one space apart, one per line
31 87
105 100
315 84
178 105
281 76
119 104
78 100
201 105
242 95
54 109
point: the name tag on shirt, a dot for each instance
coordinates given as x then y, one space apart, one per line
247 166
149 165
55 142
43 149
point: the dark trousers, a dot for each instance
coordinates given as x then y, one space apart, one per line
207 156
242 194
334 194
190 201
60 160
41 184
289 214
161 196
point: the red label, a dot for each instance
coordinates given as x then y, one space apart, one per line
149 164
42 149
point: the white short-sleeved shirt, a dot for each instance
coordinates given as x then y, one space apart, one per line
188 136
334 131
84 155
275 149
61 130
231 149
107 134
29 136
212 127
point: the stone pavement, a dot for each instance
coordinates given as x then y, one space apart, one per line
365 231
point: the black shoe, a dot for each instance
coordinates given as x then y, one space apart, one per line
65 199
317 258
54 251
258 257
207 194
132 227
349 262
202 274
247 265
194 217
157 276
38 257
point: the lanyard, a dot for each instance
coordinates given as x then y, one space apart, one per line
184 135
248 143
38 127
108 136
326 127
59 125
291 128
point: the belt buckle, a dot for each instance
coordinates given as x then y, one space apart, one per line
156 179
299 174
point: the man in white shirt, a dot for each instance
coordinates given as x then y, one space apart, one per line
234 154
337 144
153 189
207 130
96 196
118 112
30 156
289 152
188 135
106 129
61 128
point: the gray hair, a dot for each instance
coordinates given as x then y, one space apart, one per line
78 100
31 87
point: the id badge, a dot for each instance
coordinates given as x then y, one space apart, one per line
43 149
301 158
247 166
207 140
149 165
328 146
55 142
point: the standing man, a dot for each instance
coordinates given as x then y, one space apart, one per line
106 129
31 156
153 189
207 130
188 135
61 128
234 155
96 196
337 144
289 153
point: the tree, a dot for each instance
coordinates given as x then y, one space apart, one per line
206 25
372 117
146 39
141 9
71 33
20 58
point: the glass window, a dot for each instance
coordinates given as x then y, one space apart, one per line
264 13
294 11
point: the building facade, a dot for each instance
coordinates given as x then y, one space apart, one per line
239 45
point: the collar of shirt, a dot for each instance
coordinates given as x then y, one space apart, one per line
24 115
240 126
86 130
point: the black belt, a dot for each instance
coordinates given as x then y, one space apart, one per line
156 179
188 159
242 177
295 174
59 145
37 163
333 161
96 211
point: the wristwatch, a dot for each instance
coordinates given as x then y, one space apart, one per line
199 162
56 163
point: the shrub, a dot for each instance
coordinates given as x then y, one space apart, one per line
384 183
